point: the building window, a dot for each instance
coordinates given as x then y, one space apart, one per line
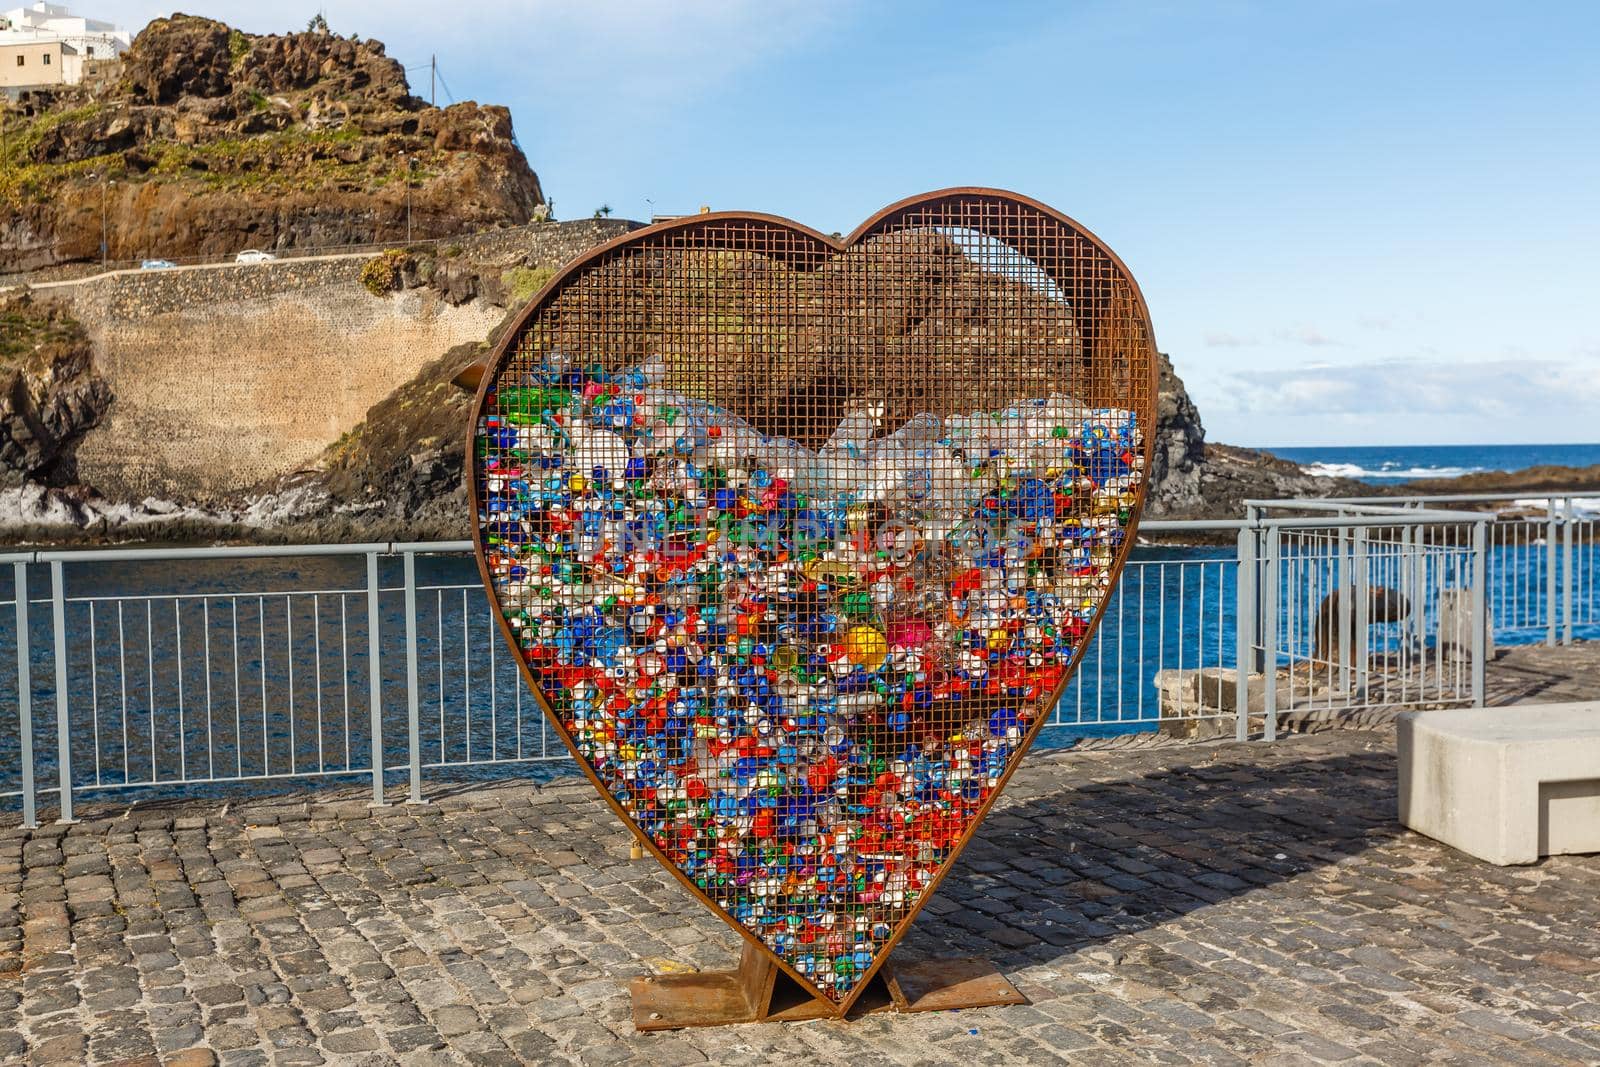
47 59
21 60
91 51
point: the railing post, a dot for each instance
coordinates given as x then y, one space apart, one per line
19 587
1480 608
1568 531
1269 636
1552 526
413 712
1244 626
1363 611
1252 515
1405 567
1345 584
58 609
375 680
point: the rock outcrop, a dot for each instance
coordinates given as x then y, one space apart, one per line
1180 447
215 140
50 395
1192 479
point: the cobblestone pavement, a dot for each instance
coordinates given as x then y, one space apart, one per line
1545 675
1219 903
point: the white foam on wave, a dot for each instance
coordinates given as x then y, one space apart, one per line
1582 507
1388 471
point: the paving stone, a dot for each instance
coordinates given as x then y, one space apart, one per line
1134 893
362 1040
190 1057
453 1020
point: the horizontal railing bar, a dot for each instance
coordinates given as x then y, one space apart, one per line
1158 525
158 552
127 555
556 756
429 546
1446 498
94 787
390 548
1387 520
114 597
1371 510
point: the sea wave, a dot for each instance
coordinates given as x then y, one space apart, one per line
1582 507
1388 471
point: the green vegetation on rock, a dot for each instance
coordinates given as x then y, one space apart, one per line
25 328
381 273
523 282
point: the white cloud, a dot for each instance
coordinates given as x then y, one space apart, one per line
1222 339
1306 335
1522 389
1303 335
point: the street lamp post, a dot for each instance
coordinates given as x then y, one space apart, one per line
411 175
105 243
105 246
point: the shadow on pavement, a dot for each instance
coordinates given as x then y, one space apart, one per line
1076 865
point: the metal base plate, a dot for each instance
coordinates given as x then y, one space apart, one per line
758 992
940 985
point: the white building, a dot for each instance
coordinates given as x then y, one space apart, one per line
41 22
38 64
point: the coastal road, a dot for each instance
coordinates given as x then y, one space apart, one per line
220 264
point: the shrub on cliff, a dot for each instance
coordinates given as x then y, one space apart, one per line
383 272
523 282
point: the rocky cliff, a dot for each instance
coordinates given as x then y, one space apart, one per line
1193 479
50 393
213 140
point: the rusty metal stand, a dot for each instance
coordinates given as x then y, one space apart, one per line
757 991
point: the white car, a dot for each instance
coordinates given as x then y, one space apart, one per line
252 255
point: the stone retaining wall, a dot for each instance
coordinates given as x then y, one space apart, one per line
226 377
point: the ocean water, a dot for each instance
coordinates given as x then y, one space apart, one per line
237 669
248 668
1388 464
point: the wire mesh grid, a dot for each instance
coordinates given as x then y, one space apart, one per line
800 541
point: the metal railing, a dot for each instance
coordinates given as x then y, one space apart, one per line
224 668
1358 605
1555 594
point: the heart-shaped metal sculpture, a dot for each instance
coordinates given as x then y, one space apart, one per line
798 540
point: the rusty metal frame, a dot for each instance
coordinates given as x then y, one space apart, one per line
1139 395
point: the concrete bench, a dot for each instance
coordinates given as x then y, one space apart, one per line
1507 785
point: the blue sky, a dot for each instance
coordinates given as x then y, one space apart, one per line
1355 222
